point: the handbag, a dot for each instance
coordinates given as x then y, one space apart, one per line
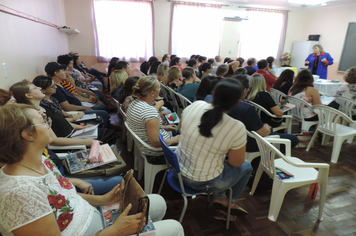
131 192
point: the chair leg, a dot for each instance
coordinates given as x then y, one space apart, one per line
129 142
277 197
257 179
184 208
336 149
140 167
124 133
163 180
148 177
326 139
229 209
322 184
312 140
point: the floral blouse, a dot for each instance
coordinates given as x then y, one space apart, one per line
24 199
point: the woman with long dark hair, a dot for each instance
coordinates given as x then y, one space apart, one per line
204 70
284 81
206 88
303 88
188 88
208 134
270 61
176 62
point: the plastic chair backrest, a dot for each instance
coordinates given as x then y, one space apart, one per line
164 91
138 141
329 118
277 95
268 153
297 111
183 100
170 155
347 105
141 73
260 108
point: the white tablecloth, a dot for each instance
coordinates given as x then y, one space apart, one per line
327 87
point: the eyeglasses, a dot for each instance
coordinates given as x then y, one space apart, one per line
34 88
46 121
53 86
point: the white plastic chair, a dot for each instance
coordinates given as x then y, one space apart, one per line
332 122
124 131
297 112
183 101
347 106
277 95
304 174
249 156
171 98
150 169
285 125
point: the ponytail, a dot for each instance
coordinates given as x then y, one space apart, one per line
209 120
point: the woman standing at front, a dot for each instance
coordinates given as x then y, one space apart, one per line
319 61
208 134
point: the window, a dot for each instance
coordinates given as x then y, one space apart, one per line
124 29
196 29
260 35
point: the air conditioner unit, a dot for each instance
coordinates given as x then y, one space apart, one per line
235 15
235 18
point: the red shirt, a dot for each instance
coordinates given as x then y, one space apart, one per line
270 80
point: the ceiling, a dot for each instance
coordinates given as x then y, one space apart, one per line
280 4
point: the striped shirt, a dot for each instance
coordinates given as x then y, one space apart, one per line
201 158
138 113
68 86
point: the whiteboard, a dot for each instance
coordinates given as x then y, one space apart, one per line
348 55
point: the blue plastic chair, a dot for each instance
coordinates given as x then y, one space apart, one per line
174 178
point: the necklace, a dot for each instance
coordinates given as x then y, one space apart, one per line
31 168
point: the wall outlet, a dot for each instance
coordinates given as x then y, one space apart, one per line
5 70
162 52
229 51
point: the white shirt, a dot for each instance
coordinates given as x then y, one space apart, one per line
201 158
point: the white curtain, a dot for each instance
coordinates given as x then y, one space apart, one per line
124 29
196 29
261 34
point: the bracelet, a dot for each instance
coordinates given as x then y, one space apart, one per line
97 233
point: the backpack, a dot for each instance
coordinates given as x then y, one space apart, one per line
265 184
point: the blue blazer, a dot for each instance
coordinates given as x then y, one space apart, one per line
322 69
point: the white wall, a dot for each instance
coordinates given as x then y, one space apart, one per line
26 46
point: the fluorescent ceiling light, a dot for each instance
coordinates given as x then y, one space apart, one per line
308 2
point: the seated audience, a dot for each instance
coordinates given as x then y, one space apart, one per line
195 65
233 65
222 71
166 59
241 60
150 63
259 95
162 73
204 70
208 134
67 101
270 61
349 90
45 203
6 97
240 71
126 93
202 59
112 64
264 70
284 81
251 62
218 60
145 121
79 65
303 88
213 65
153 68
176 62
205 89
227 59
173 78
246 113
124 66
188 87
117 80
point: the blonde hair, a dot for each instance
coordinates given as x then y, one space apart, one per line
320 47
160 71
257 84
144 86
117 79
173 73
350 75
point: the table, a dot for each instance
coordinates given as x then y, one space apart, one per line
326 100
327 87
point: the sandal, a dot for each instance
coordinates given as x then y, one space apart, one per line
223 216
236 212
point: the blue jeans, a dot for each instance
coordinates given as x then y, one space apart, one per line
235 178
